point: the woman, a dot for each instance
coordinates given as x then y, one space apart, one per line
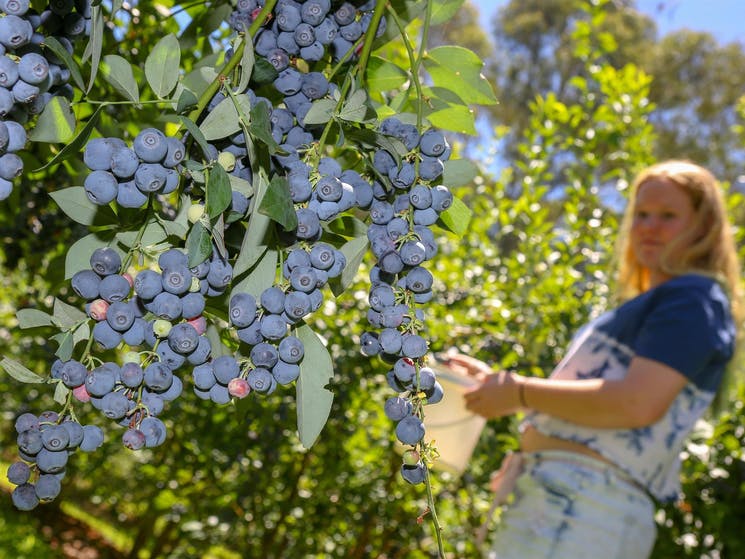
602 435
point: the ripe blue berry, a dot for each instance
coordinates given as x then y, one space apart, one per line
92 438
105 261
158 376
150 145
183 338
410 430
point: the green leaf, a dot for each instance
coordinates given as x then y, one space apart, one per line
383 75
73 147
153 234
60 393
457 118
19 372
248 59
179 225
255 239
444 10
218 347
118 72
32 318
56 123
198 244
354 251
197 135
261 126
263 71
218 192
162 65
61 52
459 172
320 112
66 345
186 100
459 70
79 254
223 120
277 204
94 46
78 207
261 277
66 316
457 217
355 109
313 398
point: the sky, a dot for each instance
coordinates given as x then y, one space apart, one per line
722 18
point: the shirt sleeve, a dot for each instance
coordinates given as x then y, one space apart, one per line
688 328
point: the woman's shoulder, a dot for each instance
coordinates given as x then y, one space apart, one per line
695 284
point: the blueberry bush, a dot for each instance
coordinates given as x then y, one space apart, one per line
223 181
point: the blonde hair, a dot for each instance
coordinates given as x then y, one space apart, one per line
709 247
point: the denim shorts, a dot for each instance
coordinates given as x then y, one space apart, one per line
571 506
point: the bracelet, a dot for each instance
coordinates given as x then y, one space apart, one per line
521 394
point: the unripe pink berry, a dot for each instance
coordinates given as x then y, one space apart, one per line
239 388
127 276
81 394
411 457
97 309
199 323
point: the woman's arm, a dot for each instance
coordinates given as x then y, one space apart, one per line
639 399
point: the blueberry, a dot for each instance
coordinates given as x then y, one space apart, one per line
204 376
430 168
442 198
396 408
272 299
390 340
106 336
288 17
433 143
225 369
101 187
420 196
326 31
315 85
101 380
265 42
414 346
24 93
251 334
15 7
153 402
6 189
26 422
175 152
419 280
120 315
123 162
291 350
273 327
176 280
115 405
264 355
150 177
303 278
51 461
147 284
183 338
413 474
261 380
75 24
172 359
11 166
413 253
19 473
30 441
172 258
434 394
133 439
114 288
24 496
92 438
381 212
16 135
167 305
340 47
73 373
425 217
85 283
219 394
8 72
150 145
410 430
202 353
33 68
220 274
345 14
74 432
409 135
131 375
312 52
381 296
284 373
192 305
351 32
304 35
286 42
404 370
158 376
14 31
369 344
242 309
154 431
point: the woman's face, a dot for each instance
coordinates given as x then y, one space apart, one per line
662 212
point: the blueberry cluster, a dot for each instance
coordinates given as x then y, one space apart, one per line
44 445
305 29
30 75
402 241
130 174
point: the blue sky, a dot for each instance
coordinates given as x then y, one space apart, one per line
722 18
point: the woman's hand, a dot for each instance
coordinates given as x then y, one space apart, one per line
467 365
496 396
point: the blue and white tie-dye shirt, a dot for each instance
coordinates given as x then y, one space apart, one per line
684 323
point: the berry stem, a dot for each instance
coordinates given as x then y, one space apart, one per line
433 512
136 244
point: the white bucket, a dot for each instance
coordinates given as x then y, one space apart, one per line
453 429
